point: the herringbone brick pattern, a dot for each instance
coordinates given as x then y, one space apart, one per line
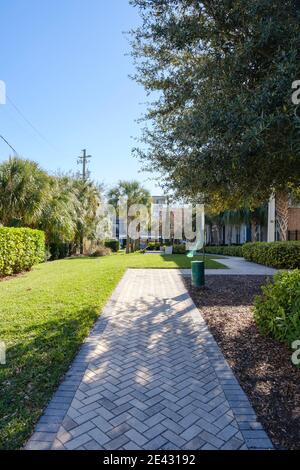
150 376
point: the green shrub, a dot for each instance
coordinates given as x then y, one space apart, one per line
179 249
20 249
114 245
153 246
280 255
228 250
277 310
59 250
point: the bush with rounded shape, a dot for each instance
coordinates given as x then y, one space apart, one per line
277 310
179 249
20 249
153 246
114 245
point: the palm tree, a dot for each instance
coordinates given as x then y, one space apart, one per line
24 191
89 196
133 193
64 206
213 220
59 215
235 218
258 216
244 215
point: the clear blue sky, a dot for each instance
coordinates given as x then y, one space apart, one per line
65 67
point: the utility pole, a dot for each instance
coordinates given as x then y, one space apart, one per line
83 160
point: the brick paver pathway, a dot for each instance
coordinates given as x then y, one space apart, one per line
149 376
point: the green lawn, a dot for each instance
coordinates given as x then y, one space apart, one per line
44 317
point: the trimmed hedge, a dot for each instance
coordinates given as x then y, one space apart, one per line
228 250
114 245
179 249
153 246
280 255
20 249
277 310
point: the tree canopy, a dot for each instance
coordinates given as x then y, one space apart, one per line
130 191
223 125
24 188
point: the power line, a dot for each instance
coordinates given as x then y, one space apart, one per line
17 109
7 143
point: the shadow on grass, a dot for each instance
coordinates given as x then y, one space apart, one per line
34 369
184 262
179 261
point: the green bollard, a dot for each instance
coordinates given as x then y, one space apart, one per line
198 278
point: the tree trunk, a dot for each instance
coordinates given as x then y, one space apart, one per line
220 235
209 241
282 213
215 235
136 244
254 224
230 235
127 244
127 237
81 244
253 230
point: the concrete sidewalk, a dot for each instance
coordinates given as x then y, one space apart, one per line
149 376
237 266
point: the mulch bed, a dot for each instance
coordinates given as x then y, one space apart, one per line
262 366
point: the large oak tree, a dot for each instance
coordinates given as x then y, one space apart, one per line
223 124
